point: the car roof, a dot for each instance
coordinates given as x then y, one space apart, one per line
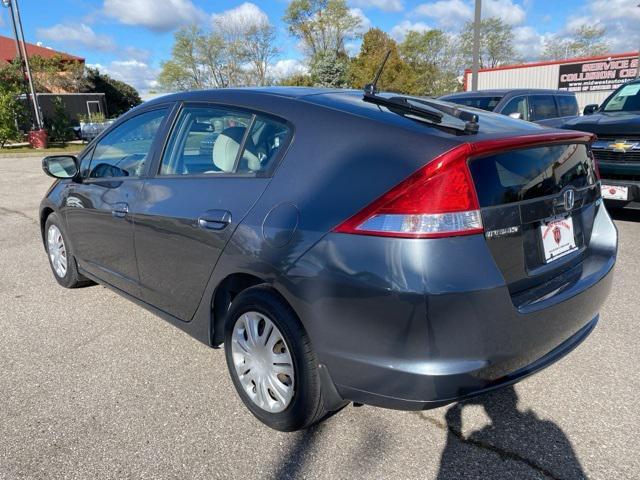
505 91
344 100
213 93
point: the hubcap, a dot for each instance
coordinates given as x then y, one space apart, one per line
57 251
262 361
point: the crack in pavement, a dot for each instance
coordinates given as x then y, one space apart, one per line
503 454
8 211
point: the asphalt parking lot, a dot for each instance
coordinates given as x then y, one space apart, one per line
92 386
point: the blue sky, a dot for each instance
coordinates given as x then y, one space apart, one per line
130 38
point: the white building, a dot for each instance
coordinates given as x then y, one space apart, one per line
591 78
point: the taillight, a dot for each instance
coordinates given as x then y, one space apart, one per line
439 200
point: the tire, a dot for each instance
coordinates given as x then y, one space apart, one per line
306 406
66 271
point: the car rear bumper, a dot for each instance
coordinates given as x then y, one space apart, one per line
414 324
633 200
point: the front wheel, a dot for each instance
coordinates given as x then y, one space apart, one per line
271 362
62 262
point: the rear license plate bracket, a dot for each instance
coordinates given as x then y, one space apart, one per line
558 238
615 192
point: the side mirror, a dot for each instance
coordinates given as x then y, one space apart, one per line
61 166
516 115
589 109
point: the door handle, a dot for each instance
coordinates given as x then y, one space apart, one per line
214 219
120 210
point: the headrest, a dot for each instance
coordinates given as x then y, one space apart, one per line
225 150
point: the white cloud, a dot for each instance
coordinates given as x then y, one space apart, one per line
240 18
620 18
511 13
286 68
77 34
385 5
528 43
136 53
452 14
365 23
137 74
448 13
399 31
156 15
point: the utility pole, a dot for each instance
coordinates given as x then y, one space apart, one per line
23 45
476 46
7 4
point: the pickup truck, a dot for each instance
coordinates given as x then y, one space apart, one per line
617 149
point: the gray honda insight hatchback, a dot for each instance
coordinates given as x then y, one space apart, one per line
378 249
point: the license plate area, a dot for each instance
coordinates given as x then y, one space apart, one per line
615 192
558 238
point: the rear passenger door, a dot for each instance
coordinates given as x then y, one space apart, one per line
215 165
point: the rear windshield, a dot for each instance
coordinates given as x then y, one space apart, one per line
484 103
531 173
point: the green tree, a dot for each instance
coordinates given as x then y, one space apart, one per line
329 70
237 52
323 26
184 71
119 96
585 41
259 50
496 43
297 80
10 110
397 76
59 125
434 60
11 76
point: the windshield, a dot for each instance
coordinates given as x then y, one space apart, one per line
484 103
627 99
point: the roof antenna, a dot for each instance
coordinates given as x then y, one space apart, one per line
372 88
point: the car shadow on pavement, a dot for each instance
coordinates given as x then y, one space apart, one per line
625 214
516 444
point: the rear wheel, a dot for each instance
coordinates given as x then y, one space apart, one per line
61 260
271 362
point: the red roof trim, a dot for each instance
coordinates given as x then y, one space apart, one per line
556 62
8 51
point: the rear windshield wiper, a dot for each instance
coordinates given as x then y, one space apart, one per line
462 121
421 110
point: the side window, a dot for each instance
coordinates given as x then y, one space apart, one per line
516 105
542 107
568 105
123 151
207 141
265 140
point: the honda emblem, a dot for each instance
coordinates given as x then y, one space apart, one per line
569 199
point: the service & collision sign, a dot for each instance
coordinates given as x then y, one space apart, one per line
597 75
